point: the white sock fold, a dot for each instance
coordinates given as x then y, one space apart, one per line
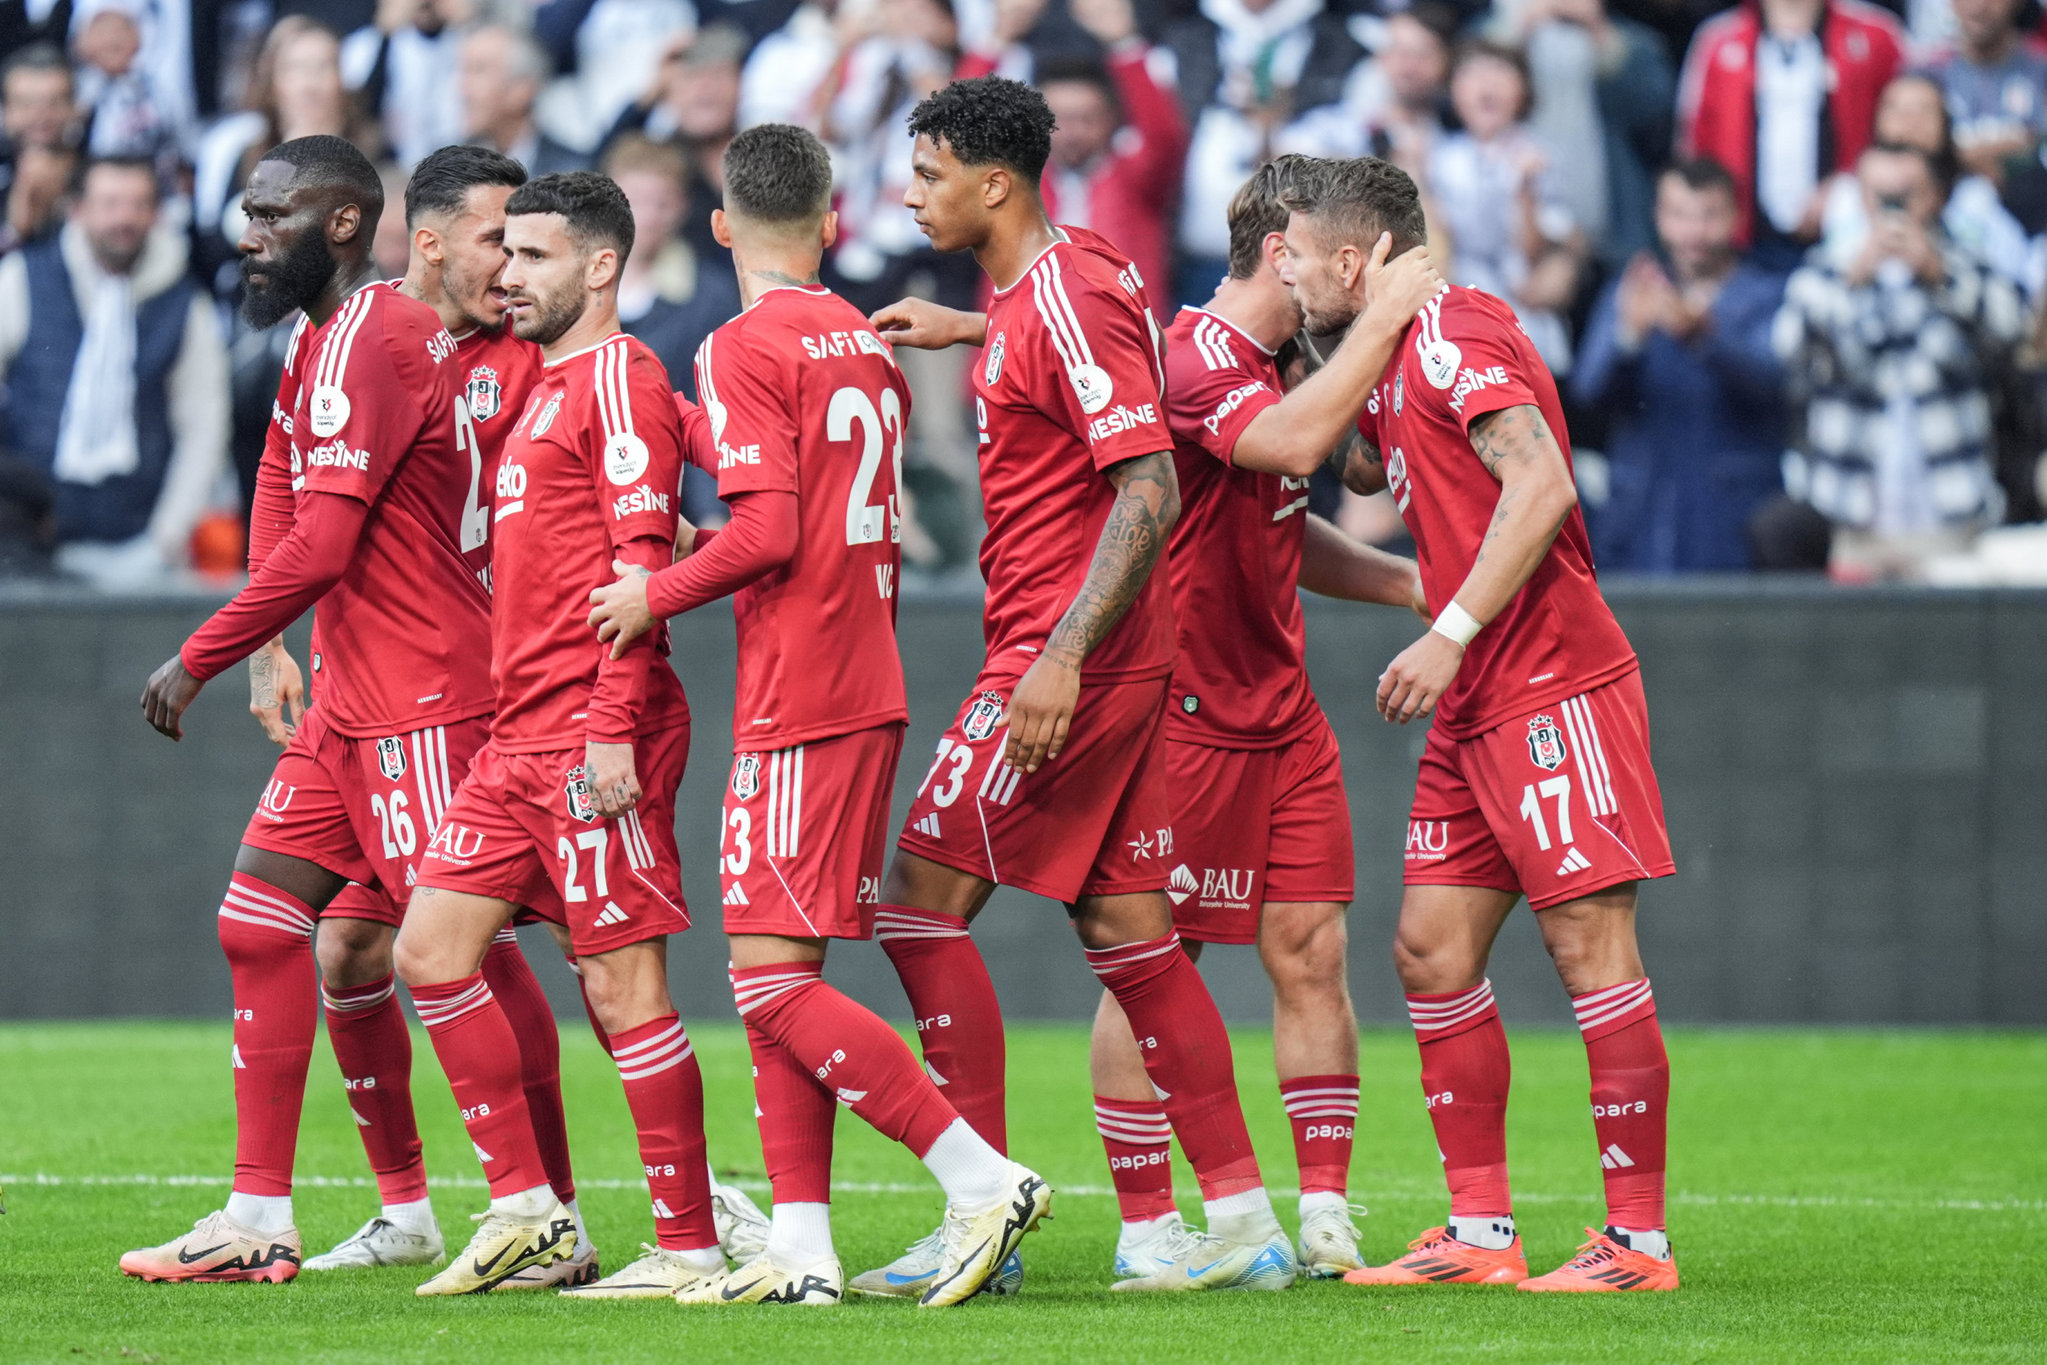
266 1213
800 1235
1492 1231
1649 1241
1315 1201
526 1204
1137 1229
1243 1217
710 1260
582 1233
970 1171
414 1215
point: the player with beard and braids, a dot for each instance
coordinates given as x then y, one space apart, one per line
803 416
1535 779
569 808
366 487
1261 822
1074 801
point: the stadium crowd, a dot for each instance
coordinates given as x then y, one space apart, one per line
1786 259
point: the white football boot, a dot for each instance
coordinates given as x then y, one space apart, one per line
382 1242
762 1281
742 1227
1329 1242
1147 1248
660 1274
1212 1262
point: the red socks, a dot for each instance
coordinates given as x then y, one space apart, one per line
267 935
1630 1099
1139 1141
1324 1113
795 1115
959 1021
845 1048
665 1090
1465 1072
1186 1054
480 1054
373 1046
525 1005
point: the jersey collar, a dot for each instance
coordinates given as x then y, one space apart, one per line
595 346
816 291
1059 239
1218 317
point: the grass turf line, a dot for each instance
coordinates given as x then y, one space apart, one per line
1839 1196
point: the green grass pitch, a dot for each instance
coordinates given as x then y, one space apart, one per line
1837 1196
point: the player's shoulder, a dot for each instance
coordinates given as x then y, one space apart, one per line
1201 345
1459 318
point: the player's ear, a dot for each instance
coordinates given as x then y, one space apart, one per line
721 228
600 272
1273 248
995 187
344 223
426 243
829 228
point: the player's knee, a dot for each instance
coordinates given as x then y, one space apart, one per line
353 952
1304 955
1430 966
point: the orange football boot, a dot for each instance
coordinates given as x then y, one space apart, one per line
1603 1265
1436 1257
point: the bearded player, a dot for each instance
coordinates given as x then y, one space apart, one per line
803 415
569 808
367 504
1053 777
1535 779
1261 823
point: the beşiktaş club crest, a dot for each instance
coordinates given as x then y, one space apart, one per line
1399 384
746 776
484 394
391 757
577 789
992 371
546 417
1545 743
982 717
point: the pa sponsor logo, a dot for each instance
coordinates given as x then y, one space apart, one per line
1232 400
327 410
641 499
1139 1161
1121 418
391 757
1545 743
1333 1131
483 393
576 788
982 717
1428 841
746 776
1093 385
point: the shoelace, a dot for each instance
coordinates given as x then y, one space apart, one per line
1434 1237
929 1242
1597 1252
1182 1241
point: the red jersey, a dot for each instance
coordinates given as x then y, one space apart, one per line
1068 385
800 396
1241 681
1464 356
595 461
496 371
401 641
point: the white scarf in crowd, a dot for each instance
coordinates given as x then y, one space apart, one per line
96 439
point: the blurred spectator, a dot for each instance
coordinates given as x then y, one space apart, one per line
1119 144
669 295
391 248
25 23
788 67
606 51
500 73
694 101
404 67
1783 93
1911 113
1247 70
1499 199
116 379
295 91
1603 88
126 114
1995 84
1013 36
1414 62
1678 354
1891 361
39 123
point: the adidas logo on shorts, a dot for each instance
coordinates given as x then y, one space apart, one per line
736 895
612 915
928 825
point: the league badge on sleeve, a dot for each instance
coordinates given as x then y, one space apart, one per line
746 776
484 393
1094 386
327 410
1440 359
982 717
625 457
391 757
1545 743
577 790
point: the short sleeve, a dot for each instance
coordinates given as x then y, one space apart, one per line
361 400
749 400
639 461
1105 388
1473 360
1212 397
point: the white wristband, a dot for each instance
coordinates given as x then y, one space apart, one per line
1456 623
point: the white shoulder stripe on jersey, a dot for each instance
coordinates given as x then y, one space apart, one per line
291 348
600 388
1054 327
341 339
1056 292
613 407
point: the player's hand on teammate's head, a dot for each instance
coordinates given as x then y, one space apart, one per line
619 610
928 326
614 781
1415 681
1040 712
1398 287
277 692
169 691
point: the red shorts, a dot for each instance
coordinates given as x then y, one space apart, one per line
805 832
1255 826
1095 821
364 809
356 901
521 829
1556 804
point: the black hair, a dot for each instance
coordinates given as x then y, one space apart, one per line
323 159
778 173
593 205
989 120
1358 198
1703 173
142 165
37 57
443 179
1081 71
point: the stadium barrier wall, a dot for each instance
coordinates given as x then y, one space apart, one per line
1856 786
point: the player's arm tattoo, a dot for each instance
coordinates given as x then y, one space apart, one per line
263 676
1147 504
1358 464
1516 433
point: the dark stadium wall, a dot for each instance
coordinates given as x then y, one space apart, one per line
1856 785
